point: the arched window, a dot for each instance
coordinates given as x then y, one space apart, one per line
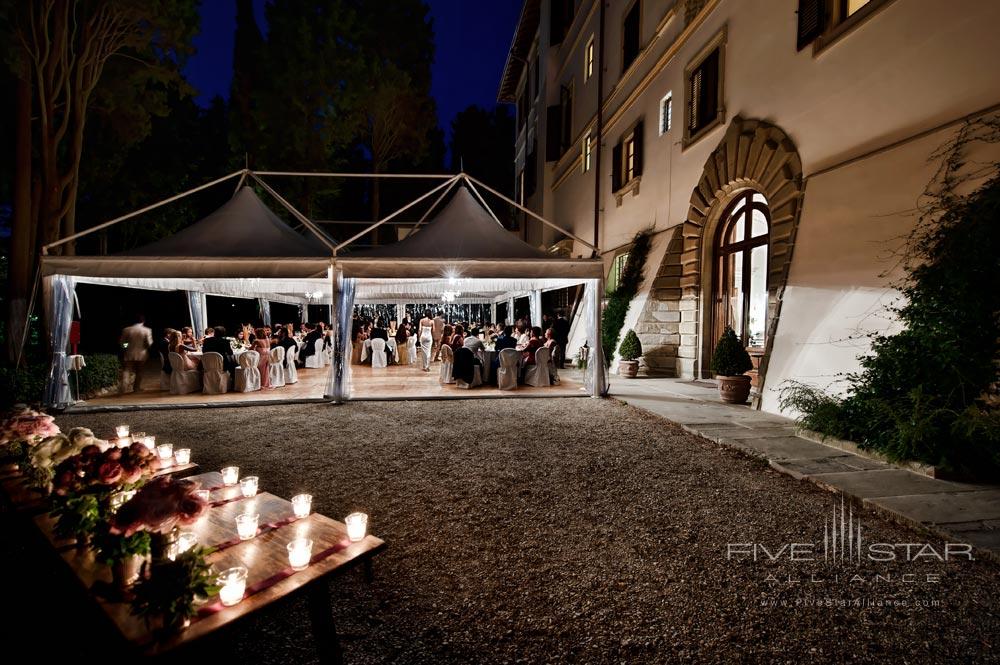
741 249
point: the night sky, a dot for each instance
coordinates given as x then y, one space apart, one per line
472 38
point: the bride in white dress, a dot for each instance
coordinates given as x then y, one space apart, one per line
426 327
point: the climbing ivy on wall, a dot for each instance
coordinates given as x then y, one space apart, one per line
613 317
929 392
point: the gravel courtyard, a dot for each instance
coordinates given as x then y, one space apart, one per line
573 530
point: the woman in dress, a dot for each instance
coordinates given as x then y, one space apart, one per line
426 338
262 345
178 346
458 338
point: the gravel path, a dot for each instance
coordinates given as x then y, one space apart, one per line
572 530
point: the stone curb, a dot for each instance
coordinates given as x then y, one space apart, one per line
853 448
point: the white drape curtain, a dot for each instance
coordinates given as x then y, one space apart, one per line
198 308
264 307
339 383
535 305
58 295
511 319
595 379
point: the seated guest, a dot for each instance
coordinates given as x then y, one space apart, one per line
473 343
550 340
285 341
163 348
378 332
183 350
458 337
534 343
312 335
465 365
208 333
506 340
217 343
522 335
187 337
446 334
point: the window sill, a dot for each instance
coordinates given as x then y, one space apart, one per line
838 32
691 139
631 186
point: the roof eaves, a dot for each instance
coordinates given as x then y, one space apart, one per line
524 35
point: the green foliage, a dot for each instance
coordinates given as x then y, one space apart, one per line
613 317
22 386
631 347
112 547
77 516
730 357
102 371
170 590
923 393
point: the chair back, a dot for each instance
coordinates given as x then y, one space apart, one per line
378 345
509 357
542 357
447 354
278 355
318 345
212 362
292 356
176 362
249 359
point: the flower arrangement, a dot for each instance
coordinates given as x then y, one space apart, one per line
43 458
23 429
102 470
170 593
158 507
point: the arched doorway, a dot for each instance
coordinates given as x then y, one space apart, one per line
741 248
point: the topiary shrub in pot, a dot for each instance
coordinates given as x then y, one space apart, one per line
730 362
630 352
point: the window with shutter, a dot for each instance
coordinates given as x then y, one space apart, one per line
811 15
638 146
631 34
703 86
616 167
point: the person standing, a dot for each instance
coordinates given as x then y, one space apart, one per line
437 331
136 339
560 333
426 338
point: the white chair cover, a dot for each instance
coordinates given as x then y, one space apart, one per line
276 368
507 372
328 355
391 350
411 349
378 353
214 376
315 361
477 379
182 381
447 364
164 377
538 375
247 374
291 371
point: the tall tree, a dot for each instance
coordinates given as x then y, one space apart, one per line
61 51
482 144
248 51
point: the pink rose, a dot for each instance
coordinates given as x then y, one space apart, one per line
110 473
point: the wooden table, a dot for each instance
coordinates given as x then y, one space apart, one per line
264 556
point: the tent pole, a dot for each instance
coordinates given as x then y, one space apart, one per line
61 241
483 201
533 214
398 212
429 210
243 179
298 215
301 174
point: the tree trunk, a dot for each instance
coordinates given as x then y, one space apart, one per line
22 249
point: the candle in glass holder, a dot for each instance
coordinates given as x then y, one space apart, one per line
230 475
205 495
182 455
357 526
299 553
185 541
302 504
149 441
166 453
125 442
248 485
246 525
122 431
139 437
233 584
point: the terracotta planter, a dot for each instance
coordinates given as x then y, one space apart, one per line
734 389
628 368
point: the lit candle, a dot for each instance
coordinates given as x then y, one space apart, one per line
230 475
185 541
204 495
248 485
357 526
139 437
166 453
302 504
299 553
149 441
233 584
122 431
182 455
246 525
124 442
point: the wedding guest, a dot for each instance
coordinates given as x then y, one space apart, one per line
534 343
163 348
136 339
178 346
437 333
560 332
218 343
458 337
262 345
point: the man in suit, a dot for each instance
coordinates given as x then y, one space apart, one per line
136 340
218 343
309 347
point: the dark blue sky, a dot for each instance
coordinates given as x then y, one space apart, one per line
471 37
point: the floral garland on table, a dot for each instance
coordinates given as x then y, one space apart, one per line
22 429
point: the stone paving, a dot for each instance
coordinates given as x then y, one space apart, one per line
963 512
